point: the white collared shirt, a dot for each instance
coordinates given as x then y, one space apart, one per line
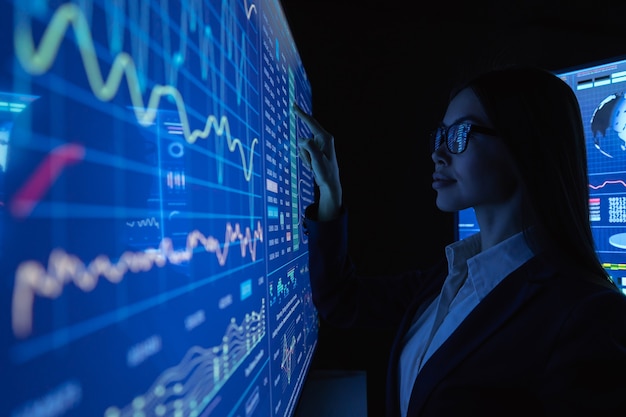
471 276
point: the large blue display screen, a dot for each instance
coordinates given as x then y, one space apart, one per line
152 256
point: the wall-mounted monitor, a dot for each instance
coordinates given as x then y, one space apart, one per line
152 256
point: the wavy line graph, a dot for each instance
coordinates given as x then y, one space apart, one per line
187 388
286 363
38 60
249 8
191 21
147 222
607 182
32 278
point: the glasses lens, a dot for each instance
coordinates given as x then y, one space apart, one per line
436 139
457 137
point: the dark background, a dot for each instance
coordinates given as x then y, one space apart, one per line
381 73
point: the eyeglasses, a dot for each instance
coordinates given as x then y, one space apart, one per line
455 136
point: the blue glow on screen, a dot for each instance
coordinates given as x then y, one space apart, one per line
152 255
601 90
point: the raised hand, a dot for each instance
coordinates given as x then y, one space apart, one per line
318 153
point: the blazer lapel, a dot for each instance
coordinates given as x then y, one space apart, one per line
486 317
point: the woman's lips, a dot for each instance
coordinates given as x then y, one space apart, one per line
441 181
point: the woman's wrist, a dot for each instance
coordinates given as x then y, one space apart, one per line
329 205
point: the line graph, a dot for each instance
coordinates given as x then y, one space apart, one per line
32 278
148 222
38 59
286 363
43 177
607 182
188 387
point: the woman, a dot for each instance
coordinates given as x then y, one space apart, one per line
518 319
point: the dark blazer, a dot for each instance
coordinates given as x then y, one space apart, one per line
542 343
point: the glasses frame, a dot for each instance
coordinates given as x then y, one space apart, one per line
461 131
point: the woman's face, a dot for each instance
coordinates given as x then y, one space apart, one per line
483 174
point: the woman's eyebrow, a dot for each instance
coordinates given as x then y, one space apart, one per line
462 119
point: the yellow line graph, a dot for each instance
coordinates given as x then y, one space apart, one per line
37 60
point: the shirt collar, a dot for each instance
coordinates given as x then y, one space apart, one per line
486 269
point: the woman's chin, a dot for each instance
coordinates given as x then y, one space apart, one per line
447 205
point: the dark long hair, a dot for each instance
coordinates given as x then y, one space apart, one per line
538 117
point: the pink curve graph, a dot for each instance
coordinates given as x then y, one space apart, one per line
46 173
607 182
